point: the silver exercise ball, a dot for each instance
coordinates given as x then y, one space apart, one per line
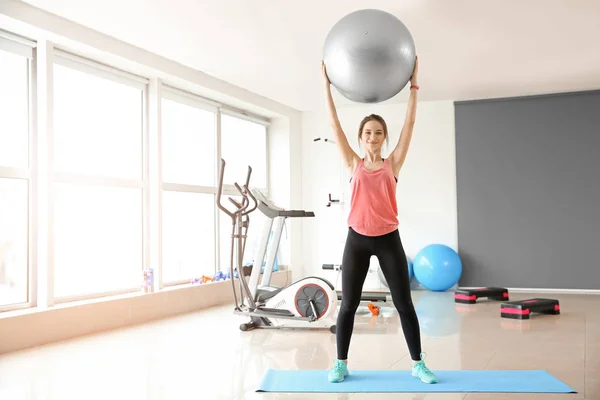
369 56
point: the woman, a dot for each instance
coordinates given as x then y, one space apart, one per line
373 229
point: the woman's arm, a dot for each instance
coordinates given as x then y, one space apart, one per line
399 154
349 157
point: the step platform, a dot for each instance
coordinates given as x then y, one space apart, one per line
470 296
524 308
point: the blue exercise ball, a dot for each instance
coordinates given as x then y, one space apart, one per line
411 273
437 267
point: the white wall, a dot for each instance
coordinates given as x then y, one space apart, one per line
426 186
32 22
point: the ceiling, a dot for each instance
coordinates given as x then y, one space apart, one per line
468 49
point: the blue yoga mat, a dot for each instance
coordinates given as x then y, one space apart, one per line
396 381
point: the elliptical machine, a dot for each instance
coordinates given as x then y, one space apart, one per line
306 304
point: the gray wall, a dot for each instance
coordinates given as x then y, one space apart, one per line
528 176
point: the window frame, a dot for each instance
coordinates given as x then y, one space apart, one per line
24 47
80 64
190 99
94 68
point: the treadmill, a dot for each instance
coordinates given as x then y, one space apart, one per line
275 215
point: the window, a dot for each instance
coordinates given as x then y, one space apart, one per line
98 125
98 188
14 110
15 173
243 144
97 239
188 236
188 145
13 241
91 187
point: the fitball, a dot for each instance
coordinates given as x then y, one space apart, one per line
437 267
369 56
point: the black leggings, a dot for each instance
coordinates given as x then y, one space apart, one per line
355 266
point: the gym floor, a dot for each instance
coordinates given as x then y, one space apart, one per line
114 116
203 355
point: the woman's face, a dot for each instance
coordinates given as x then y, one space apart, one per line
373 135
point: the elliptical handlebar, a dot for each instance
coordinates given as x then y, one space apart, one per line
245 193
235 203
245 200
220 191
239 189
249 193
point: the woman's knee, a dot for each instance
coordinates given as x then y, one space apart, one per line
350 305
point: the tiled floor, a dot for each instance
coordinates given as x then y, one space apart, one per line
204 356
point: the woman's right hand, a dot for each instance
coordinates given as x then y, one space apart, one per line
324 71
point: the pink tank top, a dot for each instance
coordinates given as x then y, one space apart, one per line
373 208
